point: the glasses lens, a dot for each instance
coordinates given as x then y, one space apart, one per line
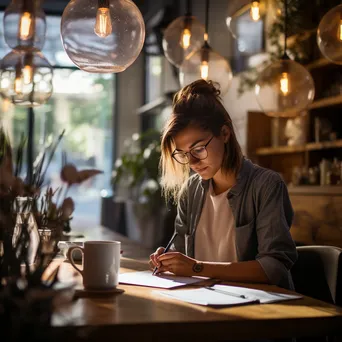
181 158
199 152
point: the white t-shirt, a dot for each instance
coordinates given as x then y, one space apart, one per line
215 233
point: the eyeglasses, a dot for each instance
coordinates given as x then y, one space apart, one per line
198 152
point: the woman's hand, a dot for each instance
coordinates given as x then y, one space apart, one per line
177 263
153 258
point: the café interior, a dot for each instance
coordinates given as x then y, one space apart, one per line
87 88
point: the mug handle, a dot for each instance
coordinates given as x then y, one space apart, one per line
71 258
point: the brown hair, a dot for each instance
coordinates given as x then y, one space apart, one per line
197 104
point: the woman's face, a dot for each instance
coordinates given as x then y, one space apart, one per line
192 138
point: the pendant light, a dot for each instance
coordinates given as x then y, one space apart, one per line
183 36
24 24
207 64
329 35
25 77
102 36
285 88
252 13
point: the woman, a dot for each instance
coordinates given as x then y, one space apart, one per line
233 217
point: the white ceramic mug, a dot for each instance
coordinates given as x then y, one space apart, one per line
101 264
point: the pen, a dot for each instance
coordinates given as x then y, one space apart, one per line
166 249
226 292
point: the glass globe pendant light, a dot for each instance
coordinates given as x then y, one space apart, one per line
285 88
102 36
252 13
207 64
26 77
183 36
329 35
24 24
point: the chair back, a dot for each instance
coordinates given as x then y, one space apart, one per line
318 273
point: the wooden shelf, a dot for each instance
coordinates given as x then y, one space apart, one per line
265 151
326 102
324 145
330 190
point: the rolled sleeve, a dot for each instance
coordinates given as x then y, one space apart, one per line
276 249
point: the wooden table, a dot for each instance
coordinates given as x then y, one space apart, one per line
139 314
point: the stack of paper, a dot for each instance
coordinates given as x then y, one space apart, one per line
165 281
227 296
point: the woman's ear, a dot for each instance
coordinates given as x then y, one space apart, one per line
225 133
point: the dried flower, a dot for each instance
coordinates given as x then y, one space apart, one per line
67 208
6 178
69 174
83 175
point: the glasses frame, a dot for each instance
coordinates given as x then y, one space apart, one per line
187 153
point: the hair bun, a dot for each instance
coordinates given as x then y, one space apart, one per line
205 87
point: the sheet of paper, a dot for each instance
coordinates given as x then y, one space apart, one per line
203 296
166 281
264 297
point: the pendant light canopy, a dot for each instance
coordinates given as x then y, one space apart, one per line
26 77
183 36
285 88
102 36
252 13
207 64
24 24
329 35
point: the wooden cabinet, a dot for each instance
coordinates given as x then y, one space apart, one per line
318 209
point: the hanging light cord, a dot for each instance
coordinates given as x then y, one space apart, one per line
188 8
285 56
206 16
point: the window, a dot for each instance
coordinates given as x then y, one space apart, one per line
82 104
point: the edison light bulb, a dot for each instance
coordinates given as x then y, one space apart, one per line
26 27
255 11
284 89
284 83
186 36
103 25
204 70
329 35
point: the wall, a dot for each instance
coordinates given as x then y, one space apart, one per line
129 97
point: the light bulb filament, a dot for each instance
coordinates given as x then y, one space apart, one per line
26 26
27 74
204 70
284 83
18 85
339 34
255 11
103 25
186 37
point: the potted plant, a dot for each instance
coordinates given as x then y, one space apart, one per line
137 172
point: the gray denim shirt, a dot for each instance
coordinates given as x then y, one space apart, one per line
263 216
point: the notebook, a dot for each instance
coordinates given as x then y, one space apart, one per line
223 295
165 280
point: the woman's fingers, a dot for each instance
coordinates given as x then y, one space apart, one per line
162 269
155 255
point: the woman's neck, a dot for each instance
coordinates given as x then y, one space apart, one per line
223 181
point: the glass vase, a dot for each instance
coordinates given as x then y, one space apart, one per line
25 234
